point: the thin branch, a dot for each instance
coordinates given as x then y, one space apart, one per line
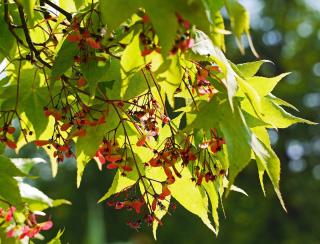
10 25
27 35
56 7
18 84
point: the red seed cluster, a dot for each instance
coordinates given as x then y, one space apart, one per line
184 40
29 228
109 152
199 158
147 37
4 132
145 113
143 212
203 86
206 168
69 123
83 37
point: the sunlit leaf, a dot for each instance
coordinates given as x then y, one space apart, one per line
265 85
170 79
277 116
249 69
191 197
119 184
214 200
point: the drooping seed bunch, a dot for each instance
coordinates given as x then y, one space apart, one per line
80 105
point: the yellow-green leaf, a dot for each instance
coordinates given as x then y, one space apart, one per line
267 159
191 197
214 199
264 85
249 69
170 77
119 184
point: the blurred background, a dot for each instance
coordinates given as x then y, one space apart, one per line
287 33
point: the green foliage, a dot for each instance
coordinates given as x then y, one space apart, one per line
56 239
161 13
194 199
7 43
24 200
124 10
110 89
11 190
87 145
119 184
64 59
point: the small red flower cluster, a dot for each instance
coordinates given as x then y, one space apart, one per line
158 198
68 124
30 228
184 40
167 158
4 132
214 143
110 152
133 204
207 169
140 207
204 167
203 85
146 113
82 37
147 37
88 44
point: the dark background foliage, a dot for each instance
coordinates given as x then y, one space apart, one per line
288 33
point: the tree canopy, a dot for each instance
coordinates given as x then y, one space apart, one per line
140 88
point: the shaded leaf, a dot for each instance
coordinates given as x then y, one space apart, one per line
233 128
115 12
7 167
11 191
94 72
64 59
7 41
32 103
161 13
